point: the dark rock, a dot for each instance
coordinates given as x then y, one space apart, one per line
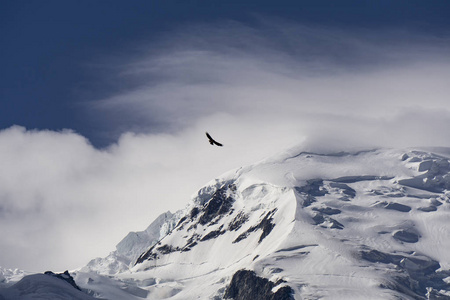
294 248
192 242
153 252
238 221
406 236
242 236
393 206
245 285
422 265
194 212
193 226
376 256
212 235
266 225
335 224
425 165
436 202
189 246
179 226
313 188
218 205
64 276
309 200
344 188
353 179
148 255
395 195
166 249
428 208
328 210
319 218
398 207
381 257
193 238
277 270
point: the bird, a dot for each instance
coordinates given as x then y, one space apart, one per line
212 141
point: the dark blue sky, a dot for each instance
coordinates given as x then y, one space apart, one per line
49 48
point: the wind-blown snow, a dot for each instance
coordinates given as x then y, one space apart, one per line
348 225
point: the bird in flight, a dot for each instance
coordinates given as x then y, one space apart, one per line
212 141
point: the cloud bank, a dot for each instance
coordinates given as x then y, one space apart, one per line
259 89
316 80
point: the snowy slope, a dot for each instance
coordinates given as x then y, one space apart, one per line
349 225
369 224
40 286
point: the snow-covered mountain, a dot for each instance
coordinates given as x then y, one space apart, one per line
350 225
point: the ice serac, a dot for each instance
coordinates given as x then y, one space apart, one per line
350 225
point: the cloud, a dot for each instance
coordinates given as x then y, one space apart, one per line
64 202
258 89
279 71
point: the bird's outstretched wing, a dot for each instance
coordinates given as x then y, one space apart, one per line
212 141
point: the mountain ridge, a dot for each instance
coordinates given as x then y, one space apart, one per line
362 224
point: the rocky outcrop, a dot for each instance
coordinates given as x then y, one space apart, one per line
64 276
246 285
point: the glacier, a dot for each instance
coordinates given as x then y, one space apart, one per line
366 224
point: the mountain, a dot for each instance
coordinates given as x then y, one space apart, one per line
349 225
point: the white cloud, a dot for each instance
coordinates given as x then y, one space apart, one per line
277 70
259 90
63 202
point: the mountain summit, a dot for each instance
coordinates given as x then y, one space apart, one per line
349 225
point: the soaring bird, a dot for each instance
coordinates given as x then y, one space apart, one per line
212 141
